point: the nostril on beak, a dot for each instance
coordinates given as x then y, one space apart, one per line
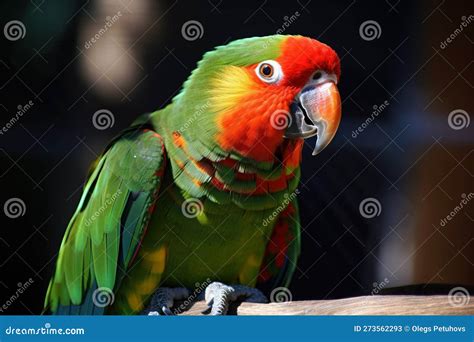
317 75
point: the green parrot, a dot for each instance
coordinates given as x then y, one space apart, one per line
204 190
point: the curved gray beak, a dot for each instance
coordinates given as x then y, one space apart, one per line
316 111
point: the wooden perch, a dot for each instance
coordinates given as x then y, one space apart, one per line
368 305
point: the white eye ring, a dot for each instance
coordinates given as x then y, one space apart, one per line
269 71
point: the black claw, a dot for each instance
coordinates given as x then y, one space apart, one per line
207 311
209 307
163 298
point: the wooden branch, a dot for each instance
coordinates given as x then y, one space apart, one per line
369 305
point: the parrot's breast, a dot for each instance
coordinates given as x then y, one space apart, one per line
216 243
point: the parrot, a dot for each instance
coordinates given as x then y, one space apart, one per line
202 192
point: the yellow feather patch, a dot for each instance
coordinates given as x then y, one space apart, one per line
147 286
134 302
248 273
229 87
157 259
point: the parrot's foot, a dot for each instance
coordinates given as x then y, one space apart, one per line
218 297
163 299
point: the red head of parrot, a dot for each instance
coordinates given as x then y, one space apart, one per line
293 96
258 98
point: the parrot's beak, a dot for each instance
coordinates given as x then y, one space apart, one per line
316 110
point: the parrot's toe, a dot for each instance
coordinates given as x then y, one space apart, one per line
163 300
218 296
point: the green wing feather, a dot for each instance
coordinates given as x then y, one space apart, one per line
105 231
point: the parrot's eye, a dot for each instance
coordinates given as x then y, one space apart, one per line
269 71
266 70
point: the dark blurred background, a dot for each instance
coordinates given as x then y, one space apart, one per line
411 162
